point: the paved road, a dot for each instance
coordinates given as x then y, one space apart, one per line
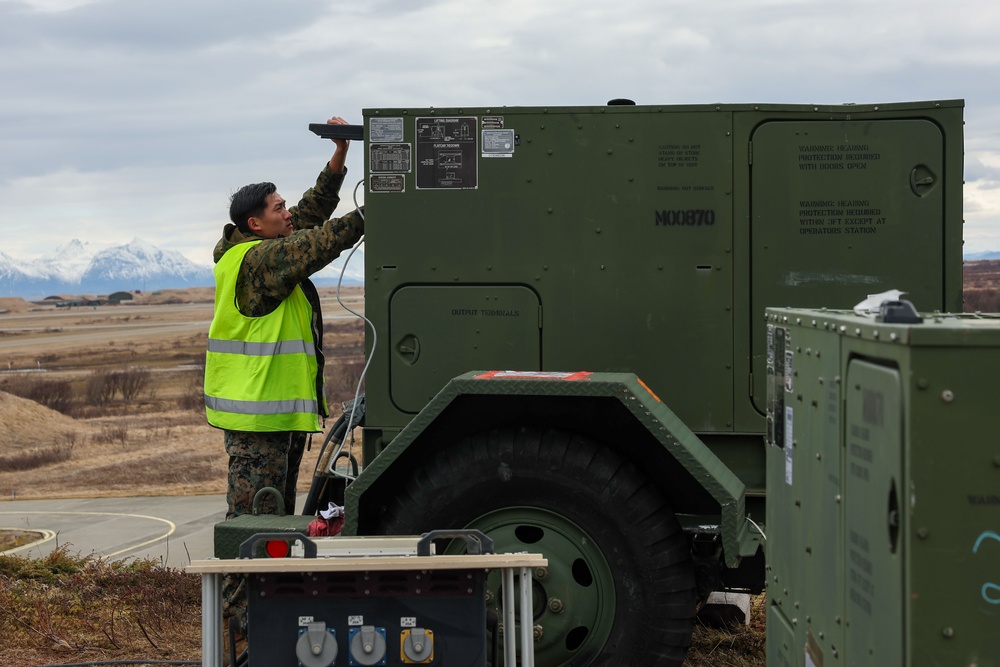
172 530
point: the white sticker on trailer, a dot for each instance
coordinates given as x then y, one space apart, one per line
385 130
498 143
788 444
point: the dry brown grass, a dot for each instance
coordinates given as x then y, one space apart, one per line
981 282
147 438
735 646
71 609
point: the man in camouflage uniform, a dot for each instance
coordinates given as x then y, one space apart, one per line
296 243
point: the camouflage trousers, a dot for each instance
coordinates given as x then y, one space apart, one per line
256 461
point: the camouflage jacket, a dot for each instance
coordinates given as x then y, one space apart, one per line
272 269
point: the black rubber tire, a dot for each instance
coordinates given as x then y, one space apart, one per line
590 485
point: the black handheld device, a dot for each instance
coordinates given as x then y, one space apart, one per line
328 131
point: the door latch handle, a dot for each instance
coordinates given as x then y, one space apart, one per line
409 349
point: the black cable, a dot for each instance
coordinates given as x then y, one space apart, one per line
336 436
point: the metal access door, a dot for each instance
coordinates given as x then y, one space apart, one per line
841 210
874 515
437 332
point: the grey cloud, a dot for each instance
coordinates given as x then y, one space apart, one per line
977 172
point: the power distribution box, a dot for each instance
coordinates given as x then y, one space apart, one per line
391 601
369 617
883 482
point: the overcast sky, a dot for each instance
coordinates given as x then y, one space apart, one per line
126 118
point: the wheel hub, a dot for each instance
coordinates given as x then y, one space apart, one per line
574 599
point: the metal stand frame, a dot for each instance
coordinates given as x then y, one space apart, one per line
211 572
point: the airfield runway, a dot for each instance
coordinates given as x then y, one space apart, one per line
171 530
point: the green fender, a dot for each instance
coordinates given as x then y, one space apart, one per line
704 471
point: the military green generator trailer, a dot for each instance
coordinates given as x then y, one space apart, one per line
883 509
571 344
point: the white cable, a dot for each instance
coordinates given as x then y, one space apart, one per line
758 528
368 361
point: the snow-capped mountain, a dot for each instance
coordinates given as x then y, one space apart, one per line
71 260
26 278
76 268
139 265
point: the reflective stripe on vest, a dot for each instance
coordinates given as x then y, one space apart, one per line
260 372
261 349
259 407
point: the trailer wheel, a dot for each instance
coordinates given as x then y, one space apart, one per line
619 589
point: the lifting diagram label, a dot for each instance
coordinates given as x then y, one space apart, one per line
447 153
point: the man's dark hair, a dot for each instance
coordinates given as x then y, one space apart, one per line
249 202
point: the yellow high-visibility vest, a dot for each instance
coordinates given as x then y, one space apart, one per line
260 372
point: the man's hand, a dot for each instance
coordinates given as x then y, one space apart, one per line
340 154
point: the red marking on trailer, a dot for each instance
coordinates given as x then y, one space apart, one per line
535 375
